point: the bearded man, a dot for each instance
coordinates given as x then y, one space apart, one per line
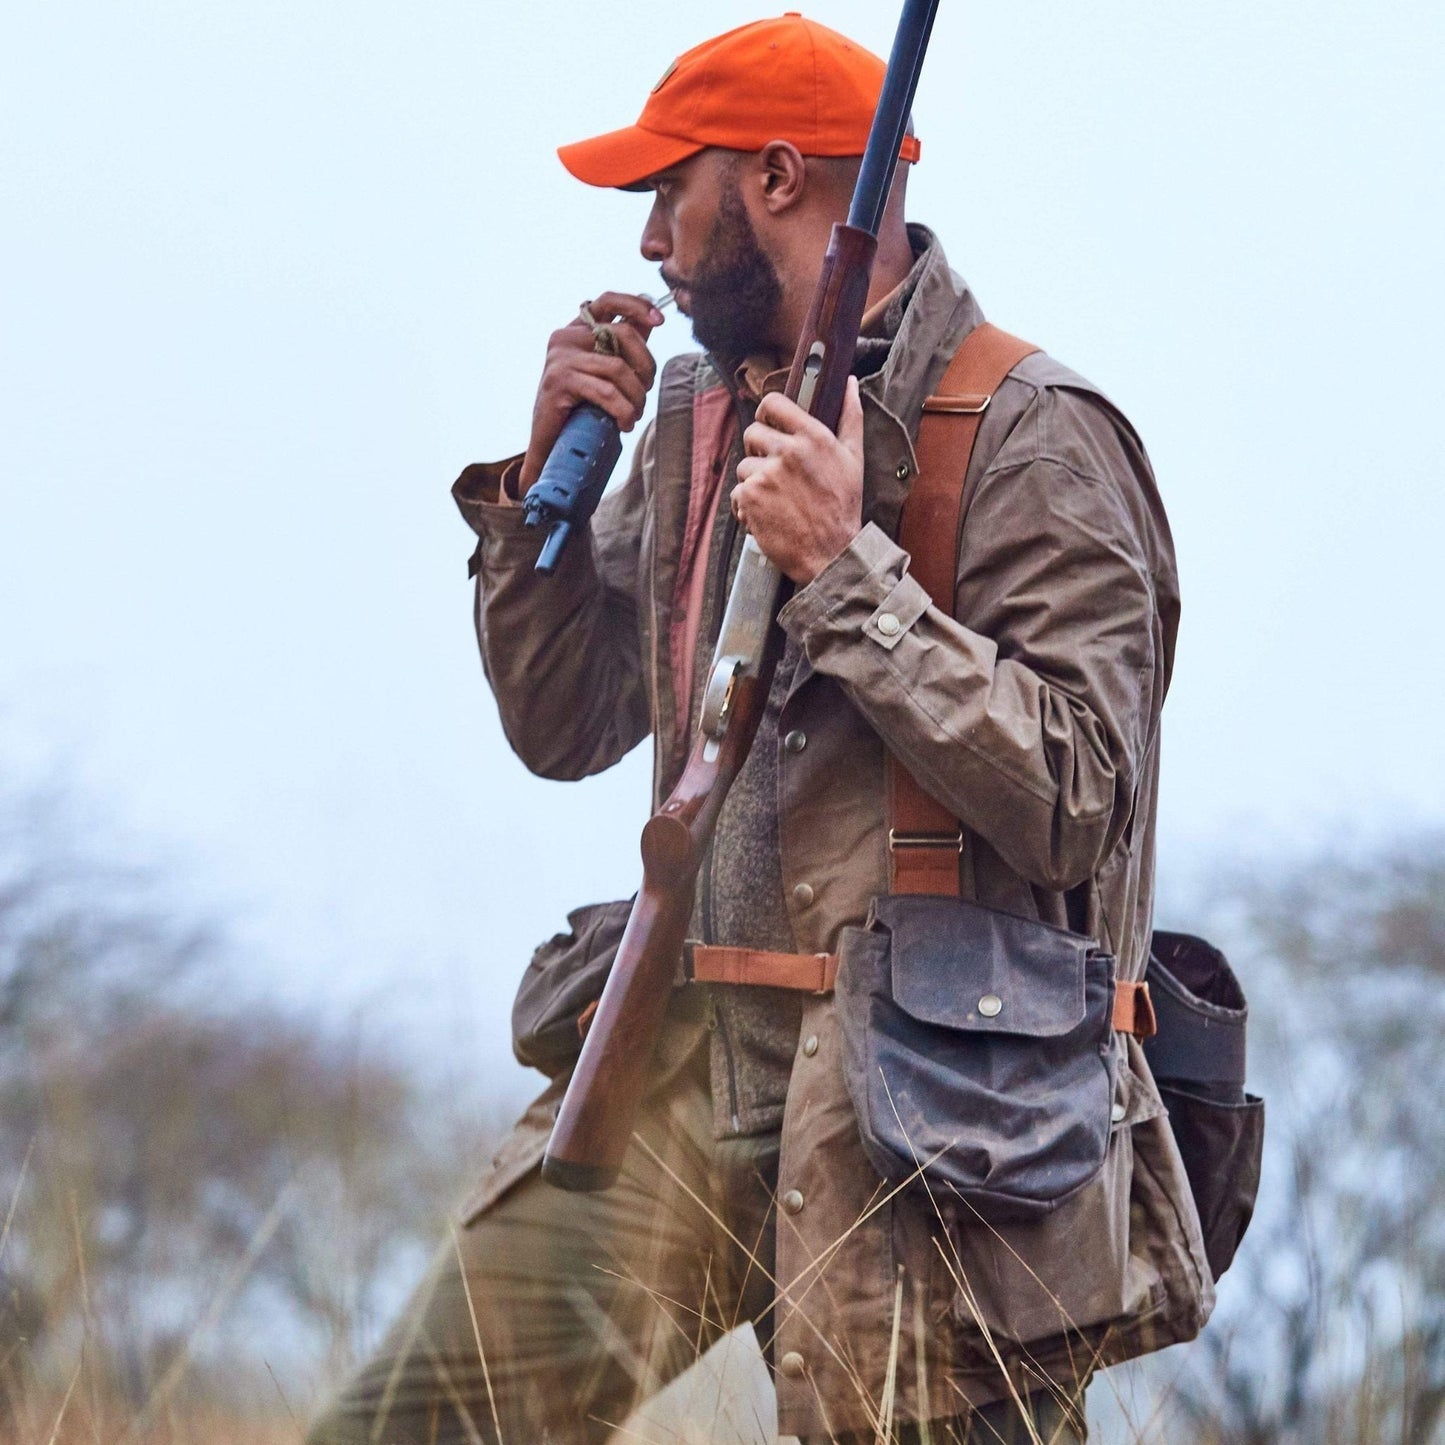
1030 708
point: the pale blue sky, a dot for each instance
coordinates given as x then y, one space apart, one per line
274 272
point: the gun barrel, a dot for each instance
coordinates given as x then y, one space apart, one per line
890 120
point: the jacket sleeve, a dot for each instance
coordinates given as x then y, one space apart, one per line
1028 718
562 653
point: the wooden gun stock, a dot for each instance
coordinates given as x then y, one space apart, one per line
594 1124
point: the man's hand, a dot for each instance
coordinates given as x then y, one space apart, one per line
800 488
576 372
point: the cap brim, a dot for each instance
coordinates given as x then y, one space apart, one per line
624 158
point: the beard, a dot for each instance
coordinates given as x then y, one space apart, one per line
735 295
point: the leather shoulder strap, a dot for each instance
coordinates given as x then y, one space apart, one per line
924 838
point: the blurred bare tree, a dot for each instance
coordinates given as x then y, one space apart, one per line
194 1187
1331 1326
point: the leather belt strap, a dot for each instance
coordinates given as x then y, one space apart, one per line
807 972
1134 1009
925 839
815 973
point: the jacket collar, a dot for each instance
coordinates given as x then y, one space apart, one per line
937 315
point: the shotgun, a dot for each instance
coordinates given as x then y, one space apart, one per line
594 1124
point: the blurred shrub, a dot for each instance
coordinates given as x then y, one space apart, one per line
200 1190
1331 1325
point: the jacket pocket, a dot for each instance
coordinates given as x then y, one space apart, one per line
1068 1275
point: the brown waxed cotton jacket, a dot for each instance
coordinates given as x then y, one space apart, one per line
1034 717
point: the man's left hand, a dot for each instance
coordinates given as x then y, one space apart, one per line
800 488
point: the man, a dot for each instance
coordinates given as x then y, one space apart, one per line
1030 709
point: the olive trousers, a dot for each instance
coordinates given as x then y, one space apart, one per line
551 1316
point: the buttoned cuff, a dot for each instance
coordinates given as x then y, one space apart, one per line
866 591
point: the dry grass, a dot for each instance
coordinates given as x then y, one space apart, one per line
726 1399
70 1393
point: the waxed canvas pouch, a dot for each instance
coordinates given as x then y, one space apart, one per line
565 976
979 1052
1198 1062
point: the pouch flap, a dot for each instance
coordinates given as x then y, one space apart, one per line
975 969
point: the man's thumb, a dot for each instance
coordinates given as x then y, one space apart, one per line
850 424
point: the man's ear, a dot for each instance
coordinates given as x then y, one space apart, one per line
782 176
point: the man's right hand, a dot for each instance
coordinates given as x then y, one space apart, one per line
576 372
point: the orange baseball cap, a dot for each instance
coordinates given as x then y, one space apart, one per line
785 79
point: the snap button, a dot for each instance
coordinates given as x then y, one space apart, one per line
796 741
802 894
903 470
793 1365
888 624
793 1201
810 1045
1117 1113
990 1005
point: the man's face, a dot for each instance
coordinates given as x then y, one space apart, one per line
701 234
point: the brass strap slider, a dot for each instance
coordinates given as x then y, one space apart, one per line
898 839
961 404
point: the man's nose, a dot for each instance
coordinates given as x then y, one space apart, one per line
656 243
